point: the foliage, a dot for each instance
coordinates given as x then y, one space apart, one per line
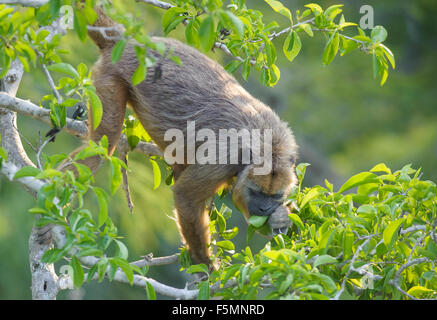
348 245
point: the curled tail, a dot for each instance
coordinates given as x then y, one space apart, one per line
105 32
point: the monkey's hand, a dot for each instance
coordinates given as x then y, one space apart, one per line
279 220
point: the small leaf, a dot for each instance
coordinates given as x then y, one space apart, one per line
331 48
292 45
116 177
324 259
203 291
207 33
197 268
390 233
96 108
226 245
417 291
236 23
126 267
122 251
280 8
117 51
258 221
139 74
78 273
308 197
80 24
296 220
307 28
379 34
156 174
103 205
65 68
150 291
358 179
27 172
381 167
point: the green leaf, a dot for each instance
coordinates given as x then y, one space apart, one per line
170 16
203 291
258 221
331 48
418 291
296 220
80 24
191 33
300 171
90 14
324 259
292 45
381 167
116 176
280 8
78 273
139 74
390 233
117 50
173 24
367 209
236 23
197 268
389 55
333 11
96 108
207 33
246 69
348 242
379 34
308 29
27 172
122 251
308 197
357 180
156 174
150 291
3 155
125 267
226 245
103 205
52 255
64 68
315 8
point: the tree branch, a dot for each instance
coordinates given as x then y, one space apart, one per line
73 127
25 3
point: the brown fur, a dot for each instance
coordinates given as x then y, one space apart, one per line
201 90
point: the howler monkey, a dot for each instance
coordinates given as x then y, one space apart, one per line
199 90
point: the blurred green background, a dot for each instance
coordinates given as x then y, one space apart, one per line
343 120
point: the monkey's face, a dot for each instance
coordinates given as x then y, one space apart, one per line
261 195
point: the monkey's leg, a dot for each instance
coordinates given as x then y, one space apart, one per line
192 188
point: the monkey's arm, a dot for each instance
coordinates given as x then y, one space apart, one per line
194 186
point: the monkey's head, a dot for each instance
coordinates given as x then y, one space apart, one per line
261 195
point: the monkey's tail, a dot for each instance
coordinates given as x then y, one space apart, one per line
105 32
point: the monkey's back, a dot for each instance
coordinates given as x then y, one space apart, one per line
198 90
